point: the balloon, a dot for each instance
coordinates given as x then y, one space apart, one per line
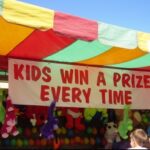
43 142
94 131
72 141
49 142
89 130
56 143
13 142
27 132
25 142
92 141
31 142
62 141
19 142
98 141
81 140
59 113
104 142
37 142
145 120
70 133
6 142
34 130
67 141
77 139
86 141
102 131
64 131
58 131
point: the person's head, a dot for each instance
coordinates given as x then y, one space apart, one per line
138 138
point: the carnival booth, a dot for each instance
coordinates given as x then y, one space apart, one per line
73 83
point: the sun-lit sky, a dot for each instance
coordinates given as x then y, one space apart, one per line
133 14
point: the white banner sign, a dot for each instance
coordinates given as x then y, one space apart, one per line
39 83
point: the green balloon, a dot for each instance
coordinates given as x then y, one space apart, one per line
25 142
145 120
89 130
13 142
19 143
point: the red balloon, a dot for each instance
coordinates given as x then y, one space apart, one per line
31 142
27 132
37 142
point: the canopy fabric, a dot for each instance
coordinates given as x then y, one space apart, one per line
32 32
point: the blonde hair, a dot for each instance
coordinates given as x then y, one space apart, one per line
140 136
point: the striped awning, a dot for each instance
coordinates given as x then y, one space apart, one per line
32 32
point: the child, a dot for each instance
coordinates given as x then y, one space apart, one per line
138 138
